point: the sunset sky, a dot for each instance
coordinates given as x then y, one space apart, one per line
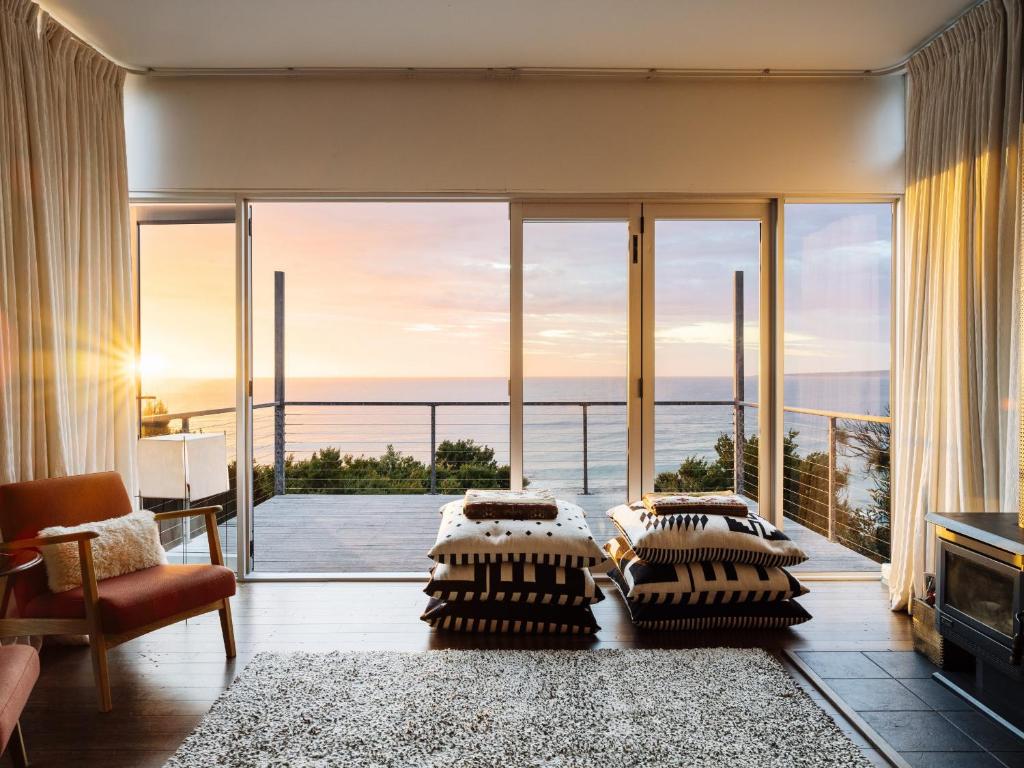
421 290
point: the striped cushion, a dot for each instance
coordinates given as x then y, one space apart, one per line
684 538
519 618
565 541
700 583
513 583
670 617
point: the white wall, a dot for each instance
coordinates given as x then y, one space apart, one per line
411 135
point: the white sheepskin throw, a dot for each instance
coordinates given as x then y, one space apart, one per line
125 544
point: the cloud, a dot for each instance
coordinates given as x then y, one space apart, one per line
424 328
704 332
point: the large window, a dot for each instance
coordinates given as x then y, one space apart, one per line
837 369
393 342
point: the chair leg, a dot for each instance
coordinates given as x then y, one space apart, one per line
98 648
16 748
97 640
227 628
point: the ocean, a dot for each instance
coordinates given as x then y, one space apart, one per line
553 434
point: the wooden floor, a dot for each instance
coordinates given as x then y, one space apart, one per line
165 682
323 534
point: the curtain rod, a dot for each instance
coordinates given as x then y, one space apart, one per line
628 73
512 73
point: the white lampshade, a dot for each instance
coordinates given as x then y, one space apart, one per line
184 466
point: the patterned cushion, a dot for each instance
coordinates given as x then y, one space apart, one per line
695 503
565 541
672 617
684 538
520 618
510 505
699 583
514 583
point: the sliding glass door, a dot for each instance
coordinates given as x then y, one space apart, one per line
578 280
185 361
702 336
836 482
380 362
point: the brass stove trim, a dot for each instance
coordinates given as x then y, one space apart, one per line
1000 555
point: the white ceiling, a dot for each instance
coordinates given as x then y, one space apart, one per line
668 34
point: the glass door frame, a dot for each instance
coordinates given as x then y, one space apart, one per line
169 211
631 212
769 337
243 385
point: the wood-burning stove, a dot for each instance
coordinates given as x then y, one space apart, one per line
978 606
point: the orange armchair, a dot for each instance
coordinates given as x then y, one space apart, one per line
19 670
115 610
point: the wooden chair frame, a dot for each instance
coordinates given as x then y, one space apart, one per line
92 625
16 748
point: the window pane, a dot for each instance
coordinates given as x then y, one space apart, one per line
837 357
187 365
706 352
575 304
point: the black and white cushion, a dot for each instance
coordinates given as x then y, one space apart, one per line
685 538
700 583
513 583
519 618
675 617
564 541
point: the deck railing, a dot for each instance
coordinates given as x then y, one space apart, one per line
814 479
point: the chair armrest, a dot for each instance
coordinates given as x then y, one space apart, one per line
194 512
84 541
212 535
42 541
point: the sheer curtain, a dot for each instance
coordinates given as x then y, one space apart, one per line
957 285
66 318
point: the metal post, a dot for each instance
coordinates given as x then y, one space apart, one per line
186 522
279 396
739 440
433 448
832 478
586 479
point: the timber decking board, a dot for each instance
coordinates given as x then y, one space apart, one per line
313 533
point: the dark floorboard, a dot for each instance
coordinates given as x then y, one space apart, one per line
165 682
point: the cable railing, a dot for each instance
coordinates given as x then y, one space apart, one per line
835 463
836 479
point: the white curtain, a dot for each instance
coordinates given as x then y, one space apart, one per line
66 317
955 439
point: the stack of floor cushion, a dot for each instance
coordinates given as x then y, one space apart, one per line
513 575
704 569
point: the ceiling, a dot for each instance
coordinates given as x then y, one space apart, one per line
664 34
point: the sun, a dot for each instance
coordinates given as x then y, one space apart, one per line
152 365
145 366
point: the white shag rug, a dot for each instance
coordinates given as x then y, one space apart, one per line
713 708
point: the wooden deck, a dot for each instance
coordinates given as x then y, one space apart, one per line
364 534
